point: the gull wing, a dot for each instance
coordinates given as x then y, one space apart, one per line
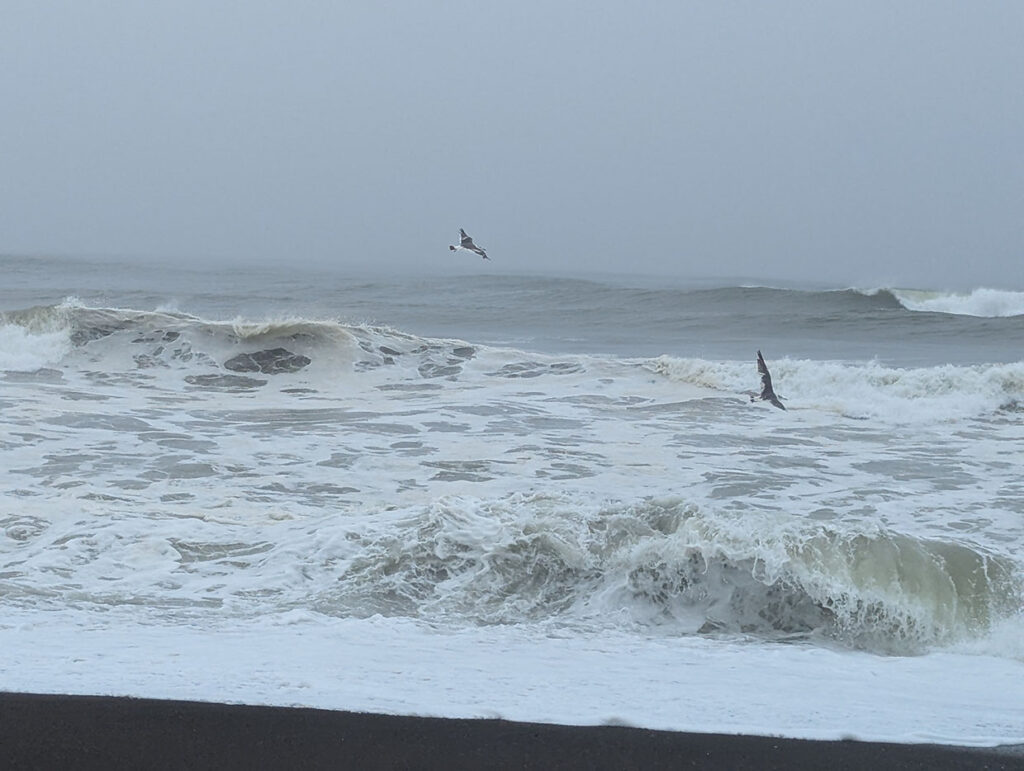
767 392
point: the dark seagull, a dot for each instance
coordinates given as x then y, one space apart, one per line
467 244
767 393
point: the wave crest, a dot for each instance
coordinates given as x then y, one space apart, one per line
981 302
668 565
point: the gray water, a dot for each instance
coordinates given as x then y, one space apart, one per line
505 449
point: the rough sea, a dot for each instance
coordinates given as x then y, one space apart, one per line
545 498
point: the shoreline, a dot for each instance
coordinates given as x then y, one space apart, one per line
46 730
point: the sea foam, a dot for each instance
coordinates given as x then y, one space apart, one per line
866 390
25 350
983 302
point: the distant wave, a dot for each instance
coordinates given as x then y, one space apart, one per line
981 302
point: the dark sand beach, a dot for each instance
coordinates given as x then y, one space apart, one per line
48 731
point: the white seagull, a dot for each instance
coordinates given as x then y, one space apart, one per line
467 244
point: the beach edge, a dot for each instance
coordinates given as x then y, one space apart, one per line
49 730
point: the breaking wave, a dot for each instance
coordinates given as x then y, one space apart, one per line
667 565
664 566
980 302
230 353
119 340
868 390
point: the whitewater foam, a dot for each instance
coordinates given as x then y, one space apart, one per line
25 350
981 302
867 390
441 510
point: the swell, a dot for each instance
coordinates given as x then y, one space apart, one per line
576 295
562 295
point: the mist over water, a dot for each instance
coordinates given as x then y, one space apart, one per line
288 448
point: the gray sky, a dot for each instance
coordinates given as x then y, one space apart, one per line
862 142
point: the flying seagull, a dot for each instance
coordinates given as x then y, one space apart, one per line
767 394
467 244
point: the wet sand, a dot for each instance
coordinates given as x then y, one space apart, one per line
46 731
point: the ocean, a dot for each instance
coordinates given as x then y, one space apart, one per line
537 497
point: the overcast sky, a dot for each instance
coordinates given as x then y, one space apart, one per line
862 143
